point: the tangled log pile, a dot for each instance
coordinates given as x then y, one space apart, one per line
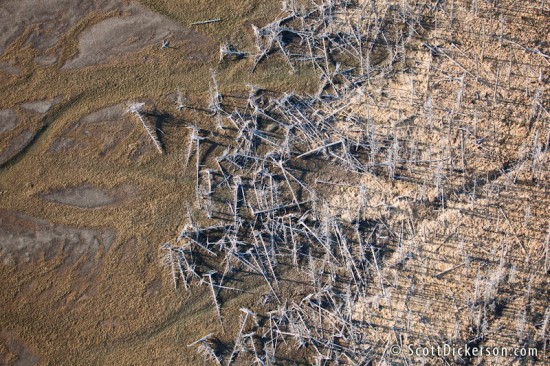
388 196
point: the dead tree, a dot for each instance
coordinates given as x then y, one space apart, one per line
137 110
228 52
206 349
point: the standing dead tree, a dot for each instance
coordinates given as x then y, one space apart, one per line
214 296
137 110
206 349
228 52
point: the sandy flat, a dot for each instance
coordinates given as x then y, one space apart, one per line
15 145
8 120
114 37
39 106
53 17
89 196
26 238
